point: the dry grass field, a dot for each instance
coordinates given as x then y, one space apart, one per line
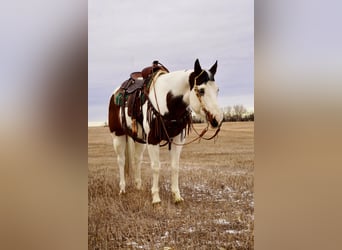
215 180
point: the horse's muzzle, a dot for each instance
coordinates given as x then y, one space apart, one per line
214 123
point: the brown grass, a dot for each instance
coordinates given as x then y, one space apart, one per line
216 182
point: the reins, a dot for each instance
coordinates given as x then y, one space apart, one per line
208 115
211 137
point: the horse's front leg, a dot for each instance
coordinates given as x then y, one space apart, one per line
153 151
175 155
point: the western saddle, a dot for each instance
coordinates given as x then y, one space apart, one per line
133 93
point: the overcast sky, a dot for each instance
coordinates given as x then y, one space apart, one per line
127 35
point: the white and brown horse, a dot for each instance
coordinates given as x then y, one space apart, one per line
165 116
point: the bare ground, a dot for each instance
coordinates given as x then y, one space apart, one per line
216 182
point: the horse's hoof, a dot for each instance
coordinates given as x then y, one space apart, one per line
179 200
122 192
157 201
176 197
155 198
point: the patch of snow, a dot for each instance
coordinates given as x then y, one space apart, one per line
230 231
221 222
200 187
166 234
131 243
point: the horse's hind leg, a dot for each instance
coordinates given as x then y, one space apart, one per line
119 143
139 150
175 155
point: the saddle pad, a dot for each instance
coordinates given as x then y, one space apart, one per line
119 98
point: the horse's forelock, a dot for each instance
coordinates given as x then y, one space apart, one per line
202 78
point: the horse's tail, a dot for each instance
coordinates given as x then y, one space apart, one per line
112 114
129 155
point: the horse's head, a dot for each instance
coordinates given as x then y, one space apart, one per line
203 94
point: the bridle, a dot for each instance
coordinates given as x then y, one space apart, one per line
209 117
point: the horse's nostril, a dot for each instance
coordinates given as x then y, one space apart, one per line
214 123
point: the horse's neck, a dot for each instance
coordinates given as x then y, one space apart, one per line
176 83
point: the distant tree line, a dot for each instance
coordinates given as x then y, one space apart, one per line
236 113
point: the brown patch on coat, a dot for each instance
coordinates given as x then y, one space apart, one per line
114 118
175 121
176 106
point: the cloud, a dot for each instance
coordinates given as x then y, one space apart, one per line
126 36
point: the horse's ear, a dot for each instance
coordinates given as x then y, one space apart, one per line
198 68
213 68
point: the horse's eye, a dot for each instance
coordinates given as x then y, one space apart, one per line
201 92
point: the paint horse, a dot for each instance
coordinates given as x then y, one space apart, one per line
165 103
